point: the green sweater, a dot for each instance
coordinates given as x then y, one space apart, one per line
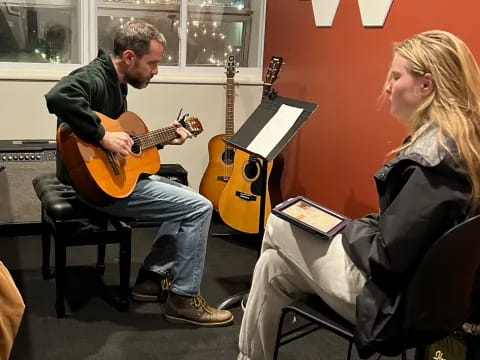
93 87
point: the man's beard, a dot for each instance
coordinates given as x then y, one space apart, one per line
136 82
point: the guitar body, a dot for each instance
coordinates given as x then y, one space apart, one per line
89 168
219 169
240 201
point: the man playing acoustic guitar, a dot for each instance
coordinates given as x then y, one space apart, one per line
174 267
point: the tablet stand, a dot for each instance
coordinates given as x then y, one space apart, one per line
264 135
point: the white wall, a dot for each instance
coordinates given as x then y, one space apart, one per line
24 114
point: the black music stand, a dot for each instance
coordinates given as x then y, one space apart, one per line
264 135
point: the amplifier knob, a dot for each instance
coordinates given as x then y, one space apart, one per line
9 158
21 157
27 157
39 157
15 157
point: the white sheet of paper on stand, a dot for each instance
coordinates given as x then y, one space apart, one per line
275 130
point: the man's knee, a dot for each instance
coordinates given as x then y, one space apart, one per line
207 205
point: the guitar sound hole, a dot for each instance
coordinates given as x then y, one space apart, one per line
227 156
251 170
136 147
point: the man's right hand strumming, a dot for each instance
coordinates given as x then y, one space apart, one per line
117 142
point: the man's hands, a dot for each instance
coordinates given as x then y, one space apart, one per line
183 134
117 142
121 143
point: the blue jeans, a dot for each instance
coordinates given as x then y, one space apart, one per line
180 244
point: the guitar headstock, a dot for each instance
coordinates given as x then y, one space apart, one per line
273 69
272 75
193 125
231 67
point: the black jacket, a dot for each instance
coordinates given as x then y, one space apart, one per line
94 87
423 192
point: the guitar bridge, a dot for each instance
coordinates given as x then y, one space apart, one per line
245 196
223 178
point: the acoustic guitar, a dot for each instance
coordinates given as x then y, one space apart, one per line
220 154
98 174
240 201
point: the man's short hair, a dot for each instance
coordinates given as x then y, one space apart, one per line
136 35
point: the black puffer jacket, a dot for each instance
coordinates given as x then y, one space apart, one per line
423 192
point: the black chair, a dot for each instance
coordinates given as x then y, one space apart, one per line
71 223
437 301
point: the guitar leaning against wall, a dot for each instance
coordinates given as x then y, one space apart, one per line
220 155
239 204
98 174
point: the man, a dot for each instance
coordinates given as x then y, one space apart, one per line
175 263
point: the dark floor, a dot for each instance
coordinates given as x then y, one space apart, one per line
94 329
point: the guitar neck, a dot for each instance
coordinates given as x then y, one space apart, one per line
157 137
230 97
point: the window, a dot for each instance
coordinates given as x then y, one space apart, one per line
70 31
39 31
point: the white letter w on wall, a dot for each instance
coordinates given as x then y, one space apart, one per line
372 12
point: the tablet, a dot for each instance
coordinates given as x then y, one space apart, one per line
311 216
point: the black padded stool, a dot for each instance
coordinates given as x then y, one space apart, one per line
71 223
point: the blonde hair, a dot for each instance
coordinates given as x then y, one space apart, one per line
454 103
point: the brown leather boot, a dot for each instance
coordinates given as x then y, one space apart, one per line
150 287
195 310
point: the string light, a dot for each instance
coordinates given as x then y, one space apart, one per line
210 38
238 4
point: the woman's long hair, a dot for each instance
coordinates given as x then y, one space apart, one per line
454 103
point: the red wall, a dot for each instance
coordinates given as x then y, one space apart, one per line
343 68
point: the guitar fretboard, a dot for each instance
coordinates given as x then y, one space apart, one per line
230 95
157 137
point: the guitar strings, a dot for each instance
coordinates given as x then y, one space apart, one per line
145 141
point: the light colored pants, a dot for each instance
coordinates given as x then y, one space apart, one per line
181 241
294 262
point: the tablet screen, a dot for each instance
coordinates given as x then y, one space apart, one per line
312 216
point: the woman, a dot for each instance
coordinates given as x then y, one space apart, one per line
432 184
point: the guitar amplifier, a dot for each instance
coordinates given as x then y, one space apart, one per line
174 172
20 162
